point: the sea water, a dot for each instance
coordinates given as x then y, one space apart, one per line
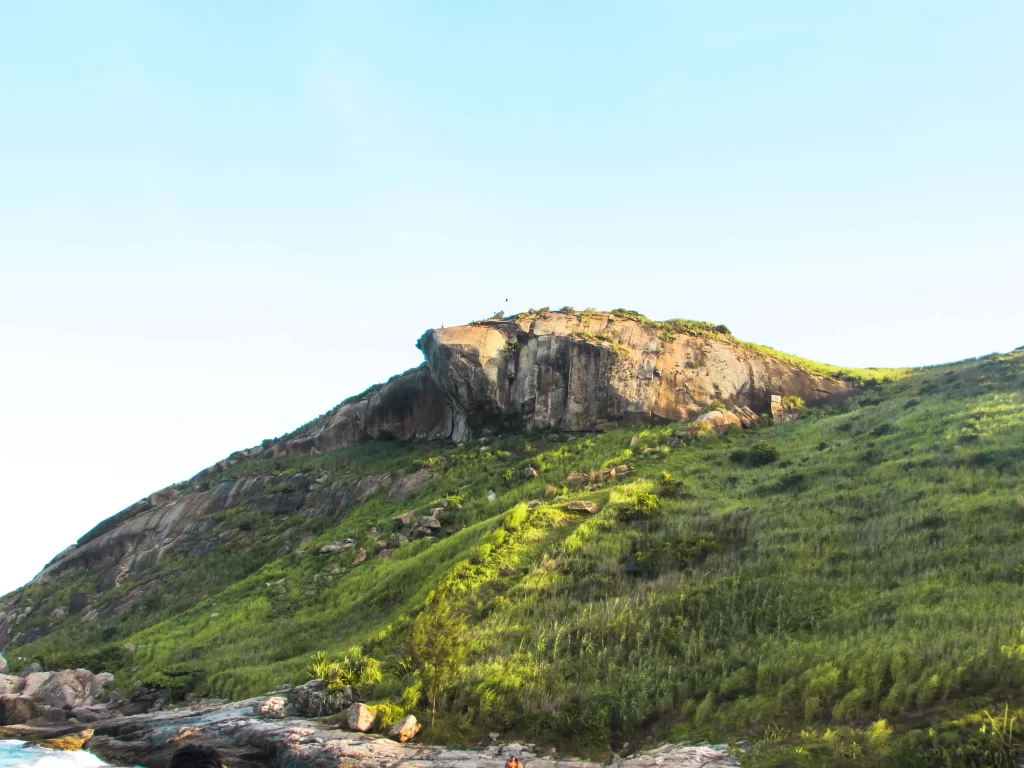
15 754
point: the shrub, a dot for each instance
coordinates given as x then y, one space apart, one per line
793 403
353 668
763 452
641 508
717 405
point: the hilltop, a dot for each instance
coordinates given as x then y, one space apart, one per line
631 555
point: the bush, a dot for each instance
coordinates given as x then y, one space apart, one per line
351 669
641 508
763 453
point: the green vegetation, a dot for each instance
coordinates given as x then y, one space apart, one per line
842 589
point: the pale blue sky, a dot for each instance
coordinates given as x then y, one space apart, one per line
219 219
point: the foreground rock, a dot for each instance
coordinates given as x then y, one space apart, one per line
249 741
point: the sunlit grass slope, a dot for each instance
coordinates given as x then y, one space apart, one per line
873 572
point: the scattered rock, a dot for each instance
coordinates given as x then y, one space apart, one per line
529 473
622 469
360 718
588 507
368 486
360 557
608 474
405 518
575 478
380 544
492 496
634 442
385 554
130 647
275 707
405 729
336 546
533 503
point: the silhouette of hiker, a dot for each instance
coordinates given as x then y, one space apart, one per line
196 756
513 762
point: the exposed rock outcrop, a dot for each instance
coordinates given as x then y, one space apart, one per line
559 370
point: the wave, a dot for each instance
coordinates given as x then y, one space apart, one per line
16 754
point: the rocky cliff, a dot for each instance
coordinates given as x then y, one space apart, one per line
567 371
550 371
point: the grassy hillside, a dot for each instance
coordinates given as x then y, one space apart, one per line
847 588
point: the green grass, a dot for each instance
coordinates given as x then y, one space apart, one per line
873 571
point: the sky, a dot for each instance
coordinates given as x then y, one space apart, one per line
218 220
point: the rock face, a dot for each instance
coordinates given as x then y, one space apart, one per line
51 697
559 370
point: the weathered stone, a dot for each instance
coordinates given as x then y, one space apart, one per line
313 699
30 669
385 554
492 496
405 729
10 684
360 557
714 421
608 474
15 710
368 486
47 715
34 681
275 707
430 523
622 469
529 473
380 544
410 484
405 518
533 503
360 718
575 478
582 506
337 546
91 714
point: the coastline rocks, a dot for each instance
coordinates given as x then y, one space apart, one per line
11 684
16 710
360 718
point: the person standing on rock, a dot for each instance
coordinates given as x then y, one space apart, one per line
513 762
197 756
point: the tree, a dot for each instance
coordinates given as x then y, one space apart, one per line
439 649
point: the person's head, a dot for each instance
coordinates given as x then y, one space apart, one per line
197 756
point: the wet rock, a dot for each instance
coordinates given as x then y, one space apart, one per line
360 718
588 507
405 729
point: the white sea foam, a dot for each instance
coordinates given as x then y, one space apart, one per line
14 754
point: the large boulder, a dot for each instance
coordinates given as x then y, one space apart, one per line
405 729
34 681
47 715
587 507
410 484
11 684
360 718
314 700
17 710
714 421
66 690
